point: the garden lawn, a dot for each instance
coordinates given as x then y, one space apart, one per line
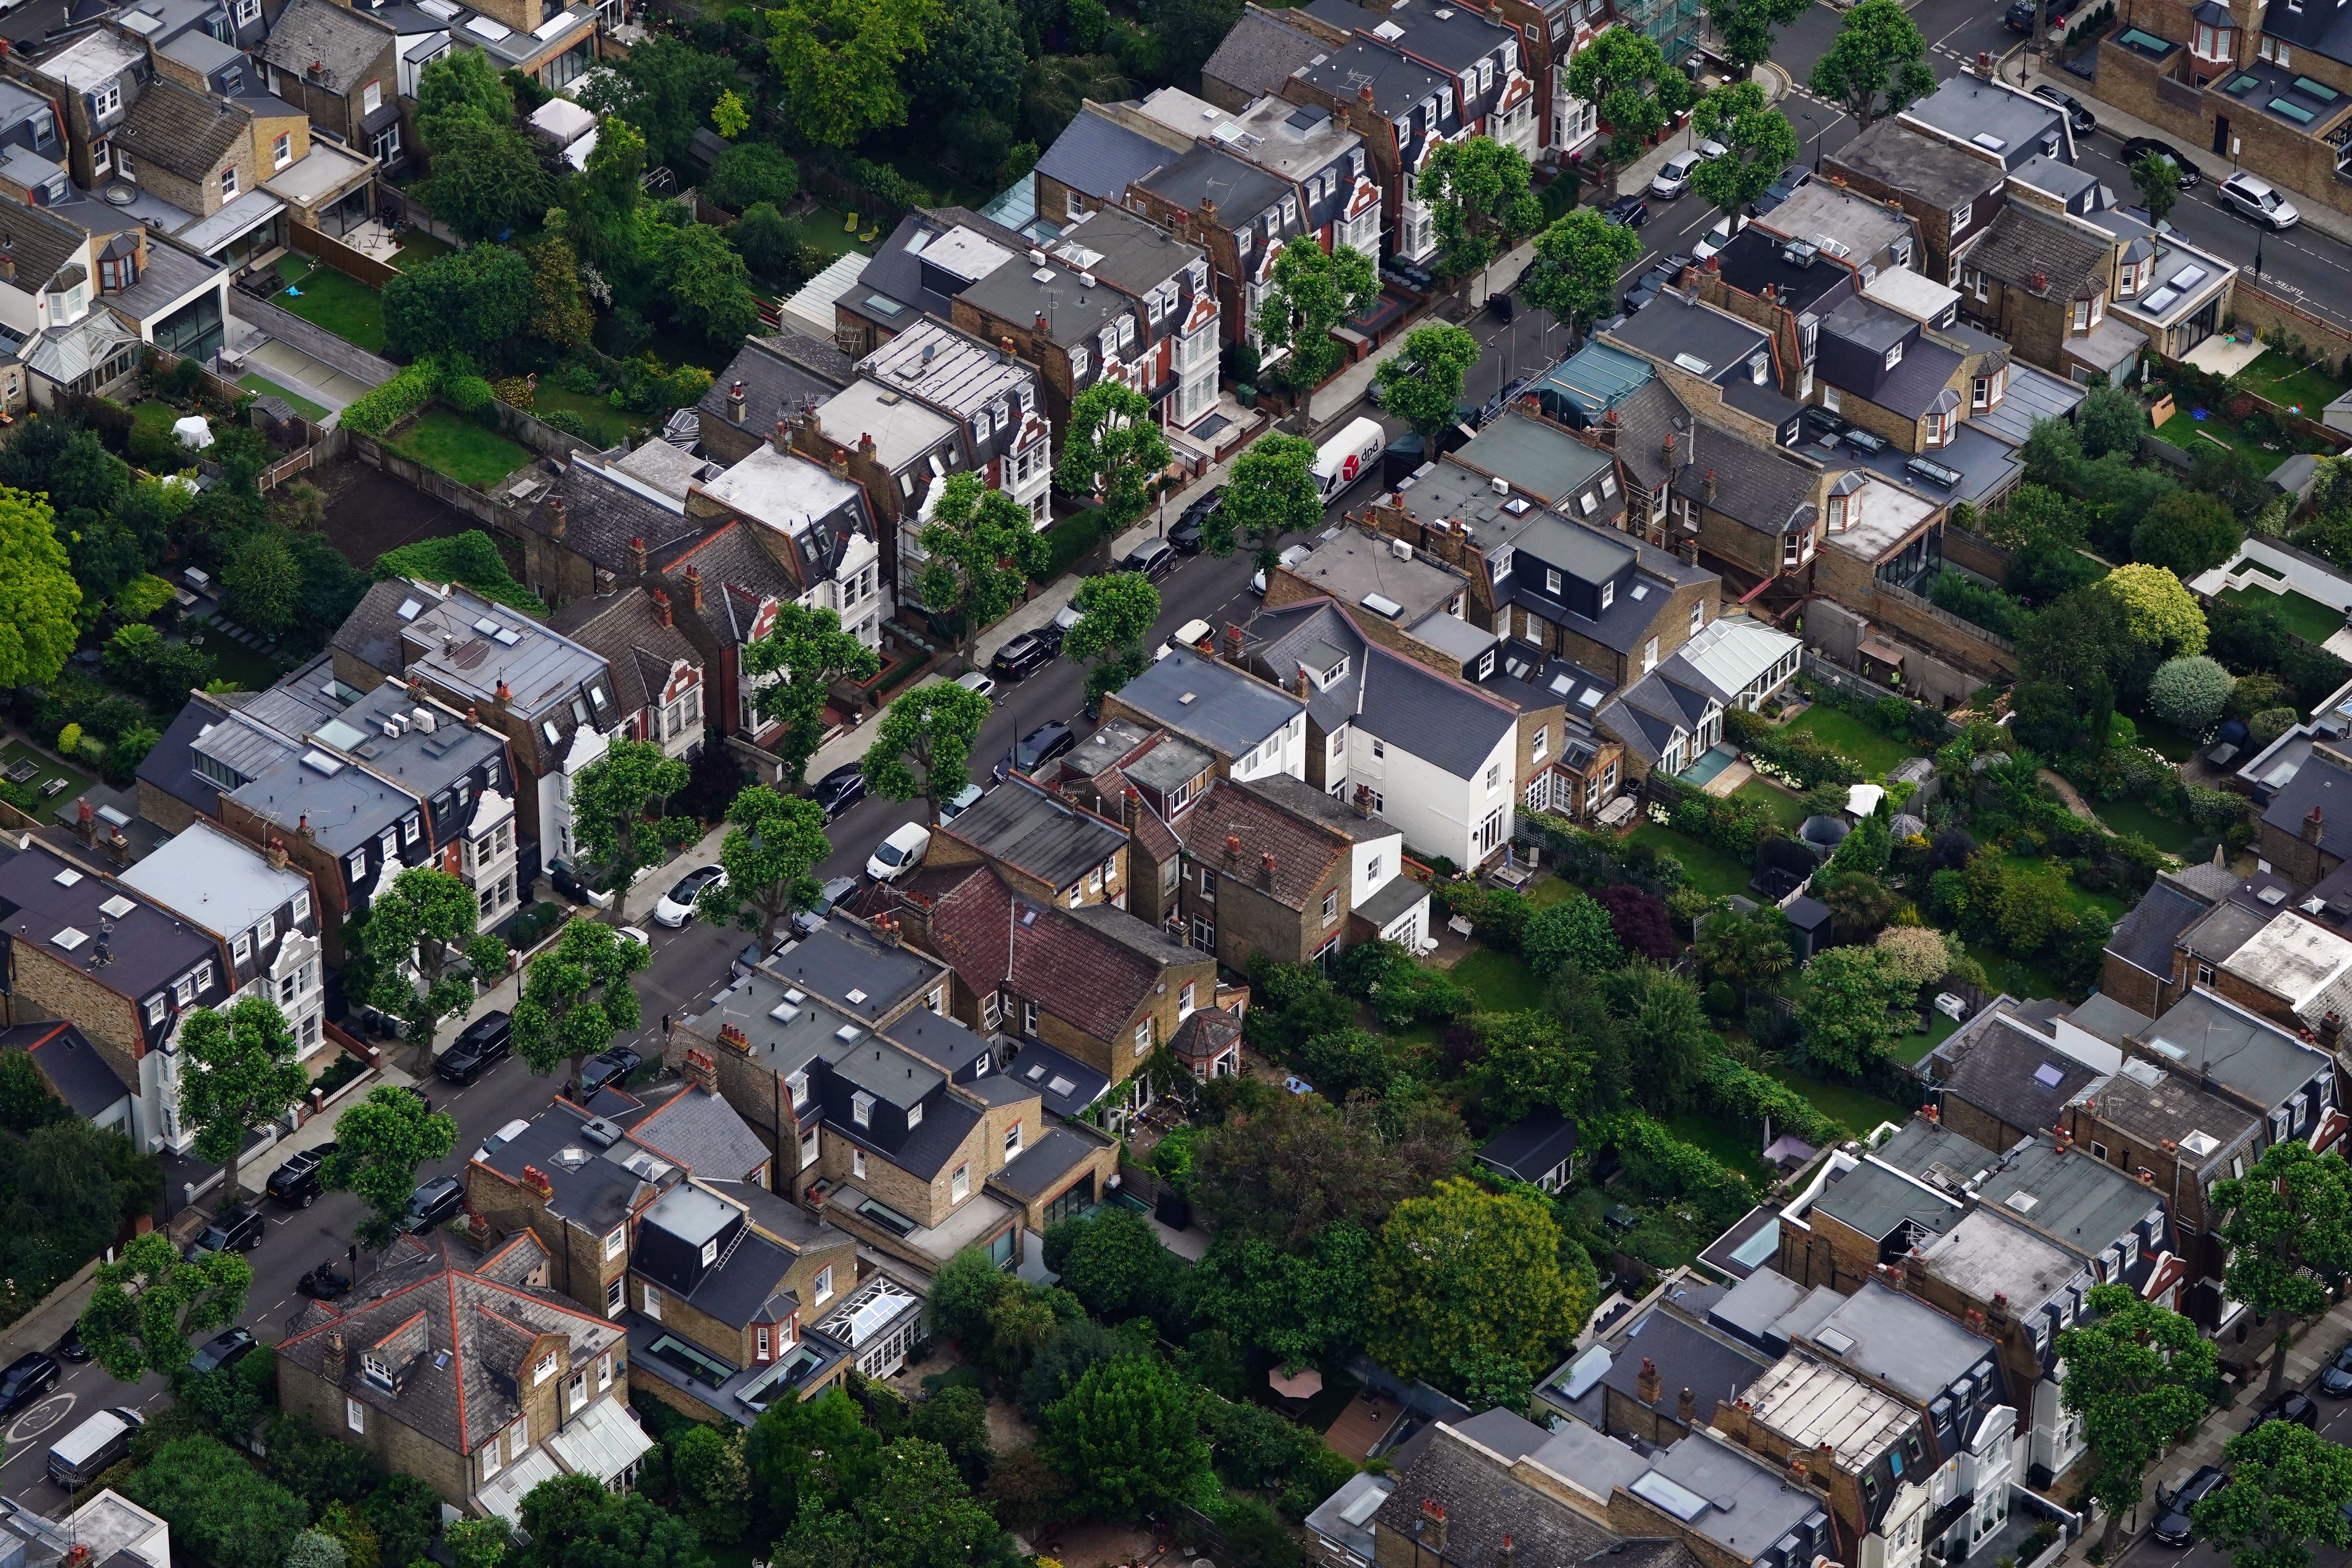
821 230
1731 1143
348 309
2134 817
2168 743
251 668
2306 618
1911 1049
2286 383
449 443
1501 981
154 416
607 426
1842 731
76 781
1711 871
2083 897
295 400
1786 808
417 247
2014 975
1858 1109
1547 891
2191 434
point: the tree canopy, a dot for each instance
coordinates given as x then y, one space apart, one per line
150 1301
2137 1376
1876 65
1479 191
237 1071
839 61
616 810
1759 139
379 1143
1464 1271
2288 1224
1116 610
576 996
981 548
2287 1487
790 666
1576 263
1311 291
1115 450
1422 385
36 580
1624 75
931 728
772 841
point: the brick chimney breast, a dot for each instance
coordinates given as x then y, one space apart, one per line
638 555
2312 826
693 586
1686 1408
783 436
559 516
335 1364
1647 1386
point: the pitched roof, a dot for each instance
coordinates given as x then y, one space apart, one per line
344 41
183 130
1754 484
1034 830
2150 930
1260 53
1645 417
1533 1145
737 572
698 1130
1097 155
439 1294
605 510
72 1066
782 375
627 630
2016 1076
2318 786
1303 851
2022 246
1482 1505
40 245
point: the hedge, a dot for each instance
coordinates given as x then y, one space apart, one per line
1799 753
1742 1092
374 412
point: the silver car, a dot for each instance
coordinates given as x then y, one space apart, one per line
2259 200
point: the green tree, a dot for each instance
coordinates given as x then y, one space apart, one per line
2287 1229
812 1454
217 1504
839 63
713 1482
1423 384
730 116
238 1072
576 996
2186 532
1116 610
933 728
1114 451
1311 291
1490 1380
2110 420
956 1419
1129 1435
1529 1059
2287 1486
756 172
617 812
561 316
1665 1034
379 1143
1348 1061
770 246
1622 74
2190 693
1464 1271
461 85
25 1101
981 547
485 1543
1574 931
771 841
1746 28
666 88
1303 1307
1113 1262
1479 191
487 179
1751 952
919 1514
264 584
1270 491
2136 1376
477 301
415 934
1286 1171
1843 1013
1576 263
316 1549
604 211
591 1528
2157 611
1759 140
966 1287
790 666
2158 179
147 1305
1874 65
975 64
708 288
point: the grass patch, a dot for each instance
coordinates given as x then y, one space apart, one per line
1501 982
1911 1049
2192 435
1786 808
343 306
2305 617
294 399
1858 1109
822 230
2166 741
250 669
76 781
1842 731
416 246
2134 817
1731 1144
1547 891
449 443
2014 975
2286 383
1711 871
607 426
2083 898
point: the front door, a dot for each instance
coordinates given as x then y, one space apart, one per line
2222 134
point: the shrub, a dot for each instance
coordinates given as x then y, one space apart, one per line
515 390
374 412
1914 953
469 395
142 597
2190 693
1972 600
569 422
69 741
2270 723
470 558
2214 811
746 175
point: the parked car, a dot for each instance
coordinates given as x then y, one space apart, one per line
1501 306
1197 634
502 1138
1627 211
2335 1377
1794 178
2139 147
71 1348
435 1202
1188 535
1042 745
975 681
2175 1525
638 934
84 1454
488 1039
1673 178
1021 657
840 789
1051 633
2299 1408
2018 17
2079 118
27 1377
226 1348
239 1227
612 1067
295 1183
1291 556
676 906
1713 241
1155 558
899 854
963 801
2257 199
832 893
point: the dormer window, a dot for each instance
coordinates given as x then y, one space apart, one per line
1837 514
1552 581
1607 594
798 1084
376 1369
1894 356
861 1109
1758 368
106 100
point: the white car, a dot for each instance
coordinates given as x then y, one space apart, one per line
1290 557
899 854
502 1138
966 798
1190 635
1674 179
636 934
1712 242
676 906
974 681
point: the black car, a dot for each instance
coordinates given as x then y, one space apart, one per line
239 1227
224 1349
1190 533
1155 558
28 1377
1641 295
2139 147
2335 1377
488 1039
2018 18
1792 179
832 893
2079 118
435 1202
2175 1525
840 789
1501 306
1042 745
71 1348
613 1066
1628 211
1024 655
2298 1408
295 1183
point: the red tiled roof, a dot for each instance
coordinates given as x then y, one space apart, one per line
1303 850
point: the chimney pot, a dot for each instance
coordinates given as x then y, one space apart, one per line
638 555
1233 644
783 436
1709 490
559 517
1647 1385
1233 843
335 1366
735 401
693 586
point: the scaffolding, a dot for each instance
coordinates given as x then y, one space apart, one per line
1672 25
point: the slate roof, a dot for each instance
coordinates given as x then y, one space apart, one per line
2016 1077
1231 712
1755 485
1205 1036
1482 1505
1038 1170
1037 831
2150 930
2324 782
1912 388
1531 1146
2243 1052
1304 850
742 1288
626 629
1260 53
182 131
40 245
1097 155
696 1129
344 40
1936 173
440 1294
1645 419
1445 722
2020 244
738 573
1242 191
2323 30
72 1064
780 375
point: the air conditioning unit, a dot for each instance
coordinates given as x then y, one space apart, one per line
1399 549
1502 486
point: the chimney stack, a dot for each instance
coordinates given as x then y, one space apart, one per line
1647 1386
866 446
2331 1030
661 608
783 436
1004 350
1707 492
559 517
1686 1408
638 555
839 467
1298 682
536 1180
1130 808
735 403
2310 826
1433 1514
1233 844
1363 801
693 586
335 1364
700 1068
1041 322
1265 866
1233 643
275 856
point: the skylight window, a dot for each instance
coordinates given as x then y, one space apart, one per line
1988 142
71 938
1693 363
68 877
115 908
2049 1075
408 610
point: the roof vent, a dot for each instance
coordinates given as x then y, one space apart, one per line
601 1133
846 1033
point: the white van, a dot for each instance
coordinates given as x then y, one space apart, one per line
1348 455
89 1449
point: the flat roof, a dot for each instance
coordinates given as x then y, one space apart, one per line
222 883
1985 1256
1359 564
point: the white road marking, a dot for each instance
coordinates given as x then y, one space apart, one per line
42 1417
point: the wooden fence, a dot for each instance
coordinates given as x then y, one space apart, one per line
331 252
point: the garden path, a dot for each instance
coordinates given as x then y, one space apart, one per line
2073 799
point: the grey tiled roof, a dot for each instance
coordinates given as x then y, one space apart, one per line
2020 246
782 375
346 42
1482 1505
1912 388
2146 936
702 1132
1261 52
2018 1078
1756 484
182 131
1645 418
71 1064
1101 157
